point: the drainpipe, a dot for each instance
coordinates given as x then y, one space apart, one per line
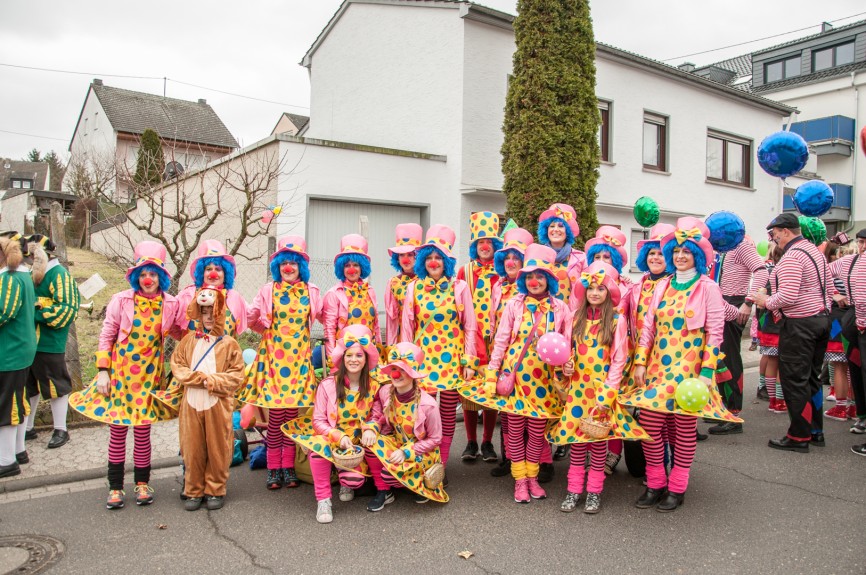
851 218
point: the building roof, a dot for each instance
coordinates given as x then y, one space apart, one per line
827 32
740 66
171 118
36 171
297 120
826 74
64 196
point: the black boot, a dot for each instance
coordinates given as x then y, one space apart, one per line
670 502
545 472
649 498
115 476
503 469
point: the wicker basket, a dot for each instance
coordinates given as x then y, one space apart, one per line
434 475
349 459
594 429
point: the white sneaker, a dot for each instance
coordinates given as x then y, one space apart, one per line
346 493
324 513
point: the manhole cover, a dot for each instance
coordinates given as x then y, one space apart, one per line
41 553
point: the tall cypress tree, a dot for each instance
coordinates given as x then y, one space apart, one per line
550 153
150 162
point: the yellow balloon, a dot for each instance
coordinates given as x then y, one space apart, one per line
277 210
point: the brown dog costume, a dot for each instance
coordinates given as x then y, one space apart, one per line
210 367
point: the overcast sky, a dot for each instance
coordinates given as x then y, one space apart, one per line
253 48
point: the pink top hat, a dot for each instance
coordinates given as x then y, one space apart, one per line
516 239
408 357
352 244
356 335
563 212
293 244
689 228
442 237
210 249
610 236
409 237
148 252
656 234
538 257
599 273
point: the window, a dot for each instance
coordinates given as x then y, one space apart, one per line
782 69
16 184
729 159
27 184
604 109
655 141
832 57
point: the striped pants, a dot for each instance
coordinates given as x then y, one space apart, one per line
141 453
576 472
526 444
680 432
280 449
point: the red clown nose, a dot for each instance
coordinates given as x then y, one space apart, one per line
213 276
405 260
434 265
533 283
147 282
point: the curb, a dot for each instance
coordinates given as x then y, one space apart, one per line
73 476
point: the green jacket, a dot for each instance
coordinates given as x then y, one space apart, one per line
17 308
55 317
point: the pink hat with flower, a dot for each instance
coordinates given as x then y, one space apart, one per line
692 229
293 244
148 252
408 357
210 249
538 257
409 237
599 273
352 244
516 239
612 237
352 335
563 212
442 237
656 234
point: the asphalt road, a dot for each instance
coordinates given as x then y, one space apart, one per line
749 509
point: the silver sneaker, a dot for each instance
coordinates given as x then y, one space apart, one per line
346 493
570 502
611 462
593 503
324 513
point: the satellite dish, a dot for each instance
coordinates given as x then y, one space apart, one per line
172 170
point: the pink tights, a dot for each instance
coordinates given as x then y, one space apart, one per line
680 432
321 470
597 455
280 449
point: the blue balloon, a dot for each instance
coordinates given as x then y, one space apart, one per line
727 230
813 198
783 154
249 356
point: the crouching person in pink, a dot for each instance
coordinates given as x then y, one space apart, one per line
344 405
410 429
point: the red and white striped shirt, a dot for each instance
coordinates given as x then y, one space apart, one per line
858 291
738 267
841 269
798 282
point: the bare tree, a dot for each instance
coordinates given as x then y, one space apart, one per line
91 178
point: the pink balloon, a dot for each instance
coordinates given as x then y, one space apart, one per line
863 140
554 349
267 216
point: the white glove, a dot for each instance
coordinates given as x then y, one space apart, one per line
102 382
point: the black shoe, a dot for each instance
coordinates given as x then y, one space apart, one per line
649 498
670 502
214 502
59 438
501 470
290 478
380 500
763 394
788 444
192 503
30 434
818 439
22 458
726 428
545 472
10 470
275 479
701 436
561 452
419 499
859 449
471 451
488 453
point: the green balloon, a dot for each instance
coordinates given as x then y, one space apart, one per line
646 212
813 229
692 395
763 248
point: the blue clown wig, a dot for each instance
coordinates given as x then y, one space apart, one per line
615 258
643 254
700 260
552 283
342 260
228 269
499 260
473 247
421 258
281 258
135 276
542 231
395 263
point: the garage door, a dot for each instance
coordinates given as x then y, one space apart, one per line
328 221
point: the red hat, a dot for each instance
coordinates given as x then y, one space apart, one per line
148 253
442 237
408 357
409 237
356 335
291 244
689 228
210 249
353 244
563 212
656 234
599 273
612 237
